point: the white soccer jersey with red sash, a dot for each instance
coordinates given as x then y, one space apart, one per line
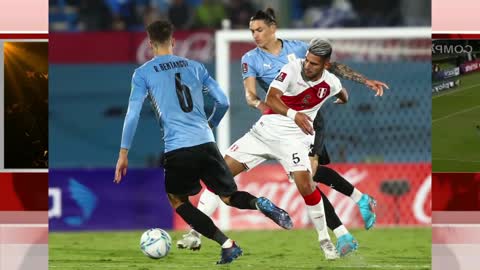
300 95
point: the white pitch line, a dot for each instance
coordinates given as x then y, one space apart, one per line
455 91
456 113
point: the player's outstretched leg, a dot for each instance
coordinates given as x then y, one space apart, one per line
204 225
366 203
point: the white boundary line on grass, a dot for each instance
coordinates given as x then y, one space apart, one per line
456 91
455 113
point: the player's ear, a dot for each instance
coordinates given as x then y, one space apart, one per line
150 44
327 63
273 26
173 42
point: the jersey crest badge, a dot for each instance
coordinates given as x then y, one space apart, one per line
280 77
322 92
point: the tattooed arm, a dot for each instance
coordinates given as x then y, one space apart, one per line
345 72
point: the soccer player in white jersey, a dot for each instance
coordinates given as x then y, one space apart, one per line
285 132
262 65
298 92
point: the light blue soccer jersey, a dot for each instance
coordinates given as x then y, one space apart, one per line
174 86
265 66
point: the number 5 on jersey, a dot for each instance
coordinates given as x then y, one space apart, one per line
295 158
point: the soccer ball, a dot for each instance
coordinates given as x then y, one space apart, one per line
155 243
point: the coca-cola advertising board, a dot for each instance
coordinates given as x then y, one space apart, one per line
124 47
402 190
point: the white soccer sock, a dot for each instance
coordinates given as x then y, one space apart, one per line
208 202
356 195
340 231
317 216
228 243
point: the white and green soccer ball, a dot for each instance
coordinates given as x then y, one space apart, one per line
155 243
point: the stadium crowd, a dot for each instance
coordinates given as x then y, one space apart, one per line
132 15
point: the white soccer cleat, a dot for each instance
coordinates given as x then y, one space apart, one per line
329 249
190 241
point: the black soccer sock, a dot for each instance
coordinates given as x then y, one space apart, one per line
200 222
333 221
243 200
331 178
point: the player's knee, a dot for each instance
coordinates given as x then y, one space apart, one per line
234 165
177 200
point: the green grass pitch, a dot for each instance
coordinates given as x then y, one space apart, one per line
455 136
392 248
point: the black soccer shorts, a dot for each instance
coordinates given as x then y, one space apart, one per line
185 167
318 147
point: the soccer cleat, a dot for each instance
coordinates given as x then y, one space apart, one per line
346 244
367 206
275 213
191 241
329 249
230 254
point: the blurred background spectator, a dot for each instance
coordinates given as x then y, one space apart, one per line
26 105
119 15
209 14
239 13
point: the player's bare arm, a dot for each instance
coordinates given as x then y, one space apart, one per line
345 72
122 164
251 94
342 97
303 121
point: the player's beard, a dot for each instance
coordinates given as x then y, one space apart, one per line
304 76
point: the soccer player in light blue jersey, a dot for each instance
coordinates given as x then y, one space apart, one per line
175 87
262 65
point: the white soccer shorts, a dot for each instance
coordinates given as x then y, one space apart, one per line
252 149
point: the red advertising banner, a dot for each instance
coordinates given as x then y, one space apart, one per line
403 193
456 192
470 66
124 47
23 192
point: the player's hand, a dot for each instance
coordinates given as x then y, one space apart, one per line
304 122
121 169
376 86
262 107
